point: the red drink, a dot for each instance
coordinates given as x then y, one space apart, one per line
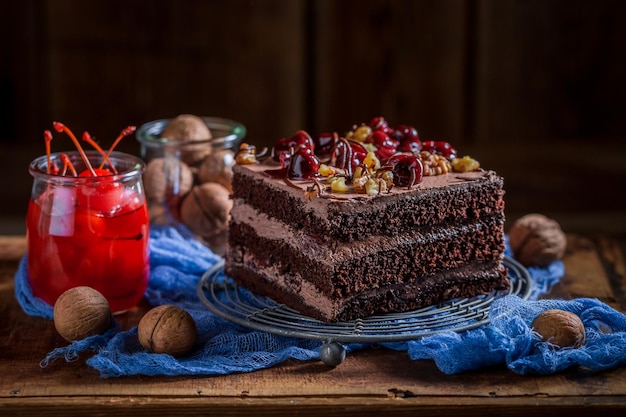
89 231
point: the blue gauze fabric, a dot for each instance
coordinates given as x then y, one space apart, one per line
509 339
178 262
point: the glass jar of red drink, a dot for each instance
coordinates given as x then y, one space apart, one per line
88 229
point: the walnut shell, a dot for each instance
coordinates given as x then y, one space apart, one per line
206 210
186 127
560 328
537 240
165 178
167 329
217 167
81 312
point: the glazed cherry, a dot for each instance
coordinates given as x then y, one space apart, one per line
381 139
358 154
303 138
281 146
407 169
324 145
385 146
405 132
282 149
379 123
100 172
440 148
409 146
103 197
348 155
303 164
408 137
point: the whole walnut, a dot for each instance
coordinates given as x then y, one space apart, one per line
81 312
537 240
166 177
187 129
560 328
217 167
206 210
167 329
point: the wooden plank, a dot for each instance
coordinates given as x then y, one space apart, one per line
575 183
615 267
238 60
404 60
23 73
12 248
304 406
585 275
369 380
546 69
369 373
514 76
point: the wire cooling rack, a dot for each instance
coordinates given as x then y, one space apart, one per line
224 297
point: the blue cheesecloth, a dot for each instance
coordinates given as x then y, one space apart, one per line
177 263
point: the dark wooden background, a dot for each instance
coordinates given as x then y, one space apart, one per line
535 89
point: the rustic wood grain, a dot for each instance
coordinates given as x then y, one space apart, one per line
532 89
369 382
240 60
544 68
404 60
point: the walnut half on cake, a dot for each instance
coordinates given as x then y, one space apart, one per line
340 228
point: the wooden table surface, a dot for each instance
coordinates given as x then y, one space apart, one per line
369 382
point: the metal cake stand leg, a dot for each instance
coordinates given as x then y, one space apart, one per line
332 353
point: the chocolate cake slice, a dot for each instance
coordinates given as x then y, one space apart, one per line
343 253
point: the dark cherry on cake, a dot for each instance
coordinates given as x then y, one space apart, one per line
398 149
407 169
340 226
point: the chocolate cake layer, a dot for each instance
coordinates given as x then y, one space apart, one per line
308 300
344 270
448 198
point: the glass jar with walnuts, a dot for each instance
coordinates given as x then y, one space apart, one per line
188 174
